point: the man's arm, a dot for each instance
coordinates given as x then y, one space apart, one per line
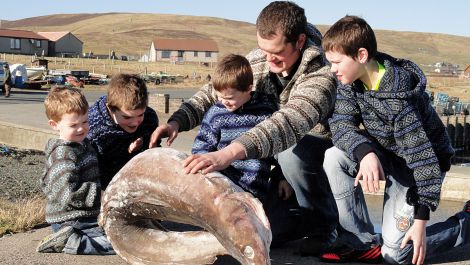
310 101
187 117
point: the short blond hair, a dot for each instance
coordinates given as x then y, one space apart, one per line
127 91
62 100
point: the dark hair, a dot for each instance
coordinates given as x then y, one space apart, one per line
282 17
127 91
348 35
233 71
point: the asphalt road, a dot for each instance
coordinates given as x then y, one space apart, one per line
27 96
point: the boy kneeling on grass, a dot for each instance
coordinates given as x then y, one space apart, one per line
71 180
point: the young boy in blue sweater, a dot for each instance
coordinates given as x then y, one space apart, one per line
238 110
71 179
121 124
402 140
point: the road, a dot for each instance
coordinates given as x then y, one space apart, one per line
24 96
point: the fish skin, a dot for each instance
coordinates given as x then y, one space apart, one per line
153 187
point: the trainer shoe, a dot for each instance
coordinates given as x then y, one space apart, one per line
345 254
55 242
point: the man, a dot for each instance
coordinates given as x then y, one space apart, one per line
289 65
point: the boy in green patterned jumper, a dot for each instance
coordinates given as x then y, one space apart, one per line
384 127
71 179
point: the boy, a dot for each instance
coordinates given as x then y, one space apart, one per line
121 124
6 88
403 142
71 179
238 110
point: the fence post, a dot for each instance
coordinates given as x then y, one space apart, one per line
167 103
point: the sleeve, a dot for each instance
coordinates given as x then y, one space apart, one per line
310 102
418 152
191 112
344 125
66 185
208 136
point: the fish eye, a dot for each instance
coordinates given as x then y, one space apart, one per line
249 252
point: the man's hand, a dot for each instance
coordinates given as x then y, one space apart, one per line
136 145
417 234
214 161
371 171
169 130
284 190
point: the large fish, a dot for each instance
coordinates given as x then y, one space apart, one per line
152 187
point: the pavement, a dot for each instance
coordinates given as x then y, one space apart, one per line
24 125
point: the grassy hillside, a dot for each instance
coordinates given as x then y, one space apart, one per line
128 33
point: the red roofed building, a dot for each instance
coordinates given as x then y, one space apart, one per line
63 44
184 50
23 42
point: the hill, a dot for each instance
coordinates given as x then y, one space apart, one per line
131 33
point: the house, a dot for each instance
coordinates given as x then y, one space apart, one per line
23 42
184 50
63 44
446 68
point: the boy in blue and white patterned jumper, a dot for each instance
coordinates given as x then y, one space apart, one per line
402 140
71 180
238 110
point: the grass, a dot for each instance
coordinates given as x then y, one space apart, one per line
131 34
22 215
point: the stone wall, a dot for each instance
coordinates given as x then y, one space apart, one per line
163 103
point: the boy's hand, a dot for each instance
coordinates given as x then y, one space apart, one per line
136 145
169 130
417 234
214 161
284 190
371 171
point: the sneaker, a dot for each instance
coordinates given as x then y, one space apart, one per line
55 242
466 208
314 246
345 254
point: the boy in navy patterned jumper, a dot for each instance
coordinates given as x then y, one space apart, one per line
402 140
71 179
121 124
239 110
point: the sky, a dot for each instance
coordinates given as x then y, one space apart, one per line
449 17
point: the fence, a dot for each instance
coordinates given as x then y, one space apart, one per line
458 128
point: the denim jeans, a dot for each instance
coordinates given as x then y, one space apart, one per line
302 167
88 238
397 217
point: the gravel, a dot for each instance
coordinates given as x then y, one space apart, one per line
20 171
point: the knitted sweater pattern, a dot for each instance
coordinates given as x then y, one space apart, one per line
111 142
306 102
70 181
220 127
400 118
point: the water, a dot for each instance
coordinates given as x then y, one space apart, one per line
444 211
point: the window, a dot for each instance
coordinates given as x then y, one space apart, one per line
180 53
208 54
165 54
15 44
195 53
38 43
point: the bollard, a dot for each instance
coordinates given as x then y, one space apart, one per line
167 103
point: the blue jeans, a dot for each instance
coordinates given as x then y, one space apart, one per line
302 167
88 238
397 217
